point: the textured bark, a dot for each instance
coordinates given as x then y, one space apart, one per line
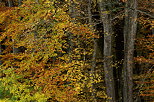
107 26
19 2
94 53
37 1
10 3
15 50
72 9
70 37
129 39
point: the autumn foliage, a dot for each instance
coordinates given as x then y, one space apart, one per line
37 64
145 59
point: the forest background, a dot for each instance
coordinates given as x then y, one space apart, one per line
76 51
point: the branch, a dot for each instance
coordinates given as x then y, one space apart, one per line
152 16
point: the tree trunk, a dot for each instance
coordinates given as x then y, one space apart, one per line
15 50
107 26
37 1
10 3
94 53
70 37
19 2
129 39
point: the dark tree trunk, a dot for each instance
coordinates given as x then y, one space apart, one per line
129 39
108 69
10 4
94 53
19 2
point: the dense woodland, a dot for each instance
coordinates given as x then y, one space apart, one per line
76 51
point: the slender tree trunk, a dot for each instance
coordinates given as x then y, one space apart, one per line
72 9
94 53
10 3
70 37
129 38
109 80
37 1
15 50
19 2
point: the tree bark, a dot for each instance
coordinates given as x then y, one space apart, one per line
15 50
10 3
72 14
129 39
108 70
37 1
94 53
19 2
152 24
